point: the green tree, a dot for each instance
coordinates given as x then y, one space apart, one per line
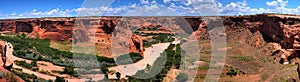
104 68
34 63
35 69
182 77
118 75
148 67
59 79
23 35
106 76
164 71
231 72
68 70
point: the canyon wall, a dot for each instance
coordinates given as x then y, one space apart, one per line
281 30
95 29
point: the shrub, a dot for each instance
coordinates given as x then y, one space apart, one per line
129 58
39 49
59 79
231 72
34 63
182 77
56 71
68 70
44 72
23 64
23 45
25 76
105 59
35 69
118 75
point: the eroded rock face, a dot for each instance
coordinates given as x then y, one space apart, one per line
7 26
136 44
24 27
265 28
280 30
98 30
108 26
54 29
284 31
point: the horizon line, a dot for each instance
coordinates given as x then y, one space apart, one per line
151 16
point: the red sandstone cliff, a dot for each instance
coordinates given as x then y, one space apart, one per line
265 28
279 30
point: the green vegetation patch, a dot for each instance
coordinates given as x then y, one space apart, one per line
170 56
23 64
63 46
158 69
158 38
243 58
129 58
26 77
38 49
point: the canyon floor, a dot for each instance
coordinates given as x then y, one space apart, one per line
251 65
259 48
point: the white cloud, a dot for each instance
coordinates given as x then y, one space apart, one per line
144 1
36 14
34 10
166 1
171 7
239 8
90 11
197 7
152 9
100 11
277 4
187 7
153 2
210 7
13 13
170 1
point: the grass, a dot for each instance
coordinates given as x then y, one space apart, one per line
39 49
129 58
25 76
63 46
23 64
243 58
158 38
205 67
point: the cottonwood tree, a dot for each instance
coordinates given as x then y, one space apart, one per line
182 77
118 75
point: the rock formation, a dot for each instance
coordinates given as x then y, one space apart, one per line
136 44
282 31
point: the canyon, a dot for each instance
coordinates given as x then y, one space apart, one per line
281 30
275 36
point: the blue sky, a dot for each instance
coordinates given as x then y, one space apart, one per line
67 8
